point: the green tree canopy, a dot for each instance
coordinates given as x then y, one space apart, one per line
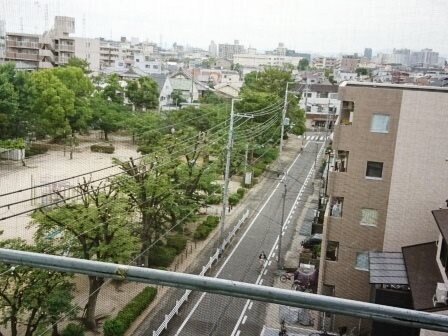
78 63
53 104
303 64
143 93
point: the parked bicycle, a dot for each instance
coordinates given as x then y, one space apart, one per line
286 276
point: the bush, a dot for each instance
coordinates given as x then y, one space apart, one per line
161 256
211 221
73 329
105 148
234 199
214 199
18 143
117 326
241 192
35 149
177 242
204 229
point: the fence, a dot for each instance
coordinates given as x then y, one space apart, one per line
213 258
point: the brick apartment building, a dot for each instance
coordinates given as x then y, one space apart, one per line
389 170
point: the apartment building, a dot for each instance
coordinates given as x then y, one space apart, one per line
321 105
349 63
2 40
228 50
325 62
23 49
388 172
256 61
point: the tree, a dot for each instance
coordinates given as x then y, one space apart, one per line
52 104
362 72
15 96
143 93
79 63
81 86
33 297
100 227
303 64
113 91
107 116
177 97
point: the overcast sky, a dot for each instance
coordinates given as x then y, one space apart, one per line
323 26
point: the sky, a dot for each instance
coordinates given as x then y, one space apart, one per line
321 27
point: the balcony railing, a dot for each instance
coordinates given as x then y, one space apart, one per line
65 47
22 44
22 56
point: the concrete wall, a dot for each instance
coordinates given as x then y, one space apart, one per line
420 172
88 49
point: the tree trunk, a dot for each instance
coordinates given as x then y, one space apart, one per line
145 237
55 331
13 326
106 137
94 285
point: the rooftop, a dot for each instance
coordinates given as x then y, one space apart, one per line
441 217
423 274
396 86
387 268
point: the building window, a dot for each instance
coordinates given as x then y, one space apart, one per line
374 169
332 250
328 290
336 206
362 261
380 123
323 95
369 217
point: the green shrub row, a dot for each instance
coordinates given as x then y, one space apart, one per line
35 149
161 256
117 326
18 143
214 199
178 242
106 148
204 229
73 329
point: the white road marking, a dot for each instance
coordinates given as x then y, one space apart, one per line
250 305
269 263
265 272
261 281
237 245
238 333
244 319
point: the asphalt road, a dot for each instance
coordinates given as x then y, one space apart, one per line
208 314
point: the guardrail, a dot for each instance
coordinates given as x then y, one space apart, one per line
213 258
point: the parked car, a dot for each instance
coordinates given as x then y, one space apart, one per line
313 240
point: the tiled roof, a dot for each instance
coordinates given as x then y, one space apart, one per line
387 268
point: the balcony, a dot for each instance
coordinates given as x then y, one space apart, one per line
340 163
65 47
47 54
22 44
346 117
22 56
62 59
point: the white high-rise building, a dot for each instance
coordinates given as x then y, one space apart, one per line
213 49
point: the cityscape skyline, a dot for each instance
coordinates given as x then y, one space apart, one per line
378 25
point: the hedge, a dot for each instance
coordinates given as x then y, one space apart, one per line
117 326
18 143
234 199
241 192
161 256
73 329
204 229
214 199
106 148
178 242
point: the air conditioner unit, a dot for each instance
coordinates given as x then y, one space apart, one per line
441 295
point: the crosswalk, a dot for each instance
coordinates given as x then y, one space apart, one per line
314 137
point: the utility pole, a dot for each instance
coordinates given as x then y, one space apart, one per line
225 195
279 256
285 106
306 101
245 162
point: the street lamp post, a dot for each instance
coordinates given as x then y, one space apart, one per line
279 256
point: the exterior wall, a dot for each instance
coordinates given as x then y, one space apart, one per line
419 177
88 49
21 47
360 192
260 60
